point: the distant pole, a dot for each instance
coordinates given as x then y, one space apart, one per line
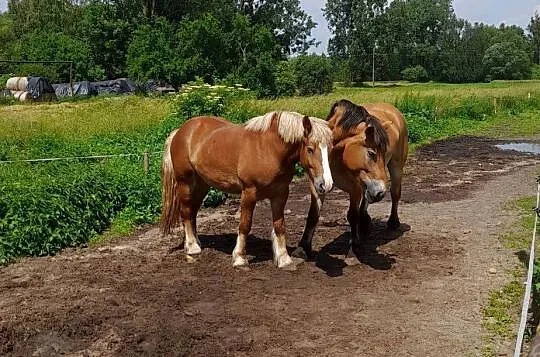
373 68
71 77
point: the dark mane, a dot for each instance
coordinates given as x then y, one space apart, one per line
353 115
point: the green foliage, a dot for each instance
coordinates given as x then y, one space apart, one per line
285 80
214 198
312 75
151 53
506 61
46 208
57 46
535 71
199 98
415 74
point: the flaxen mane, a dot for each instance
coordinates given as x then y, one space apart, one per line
353 115
290 127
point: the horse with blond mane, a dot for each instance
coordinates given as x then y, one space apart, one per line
368 140
256 160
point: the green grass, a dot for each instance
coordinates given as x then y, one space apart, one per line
501 312
81 119
446 95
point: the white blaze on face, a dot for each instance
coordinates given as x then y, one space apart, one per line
327 174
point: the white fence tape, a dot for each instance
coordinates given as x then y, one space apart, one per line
79 157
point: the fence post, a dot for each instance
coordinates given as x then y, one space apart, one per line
146 162
495 105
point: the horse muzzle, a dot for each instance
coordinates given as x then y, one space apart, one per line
375 191
323 186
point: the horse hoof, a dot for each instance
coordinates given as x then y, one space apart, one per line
292 266
300 253
240 262
393 224
193 249
351 259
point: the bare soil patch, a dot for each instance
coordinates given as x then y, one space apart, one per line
418 292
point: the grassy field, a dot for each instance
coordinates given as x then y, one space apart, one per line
82 119
444 95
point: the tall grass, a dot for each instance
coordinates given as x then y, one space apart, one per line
81 119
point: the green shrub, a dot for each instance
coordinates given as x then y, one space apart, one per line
47 207
312 75
285 80
420 114
199 98
472 108
506 60
415 74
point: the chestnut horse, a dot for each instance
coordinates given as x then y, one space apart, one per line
256 160
367 140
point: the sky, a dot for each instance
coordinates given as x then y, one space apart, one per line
511 12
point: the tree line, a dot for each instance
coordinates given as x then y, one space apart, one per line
174 41
261 44
424 39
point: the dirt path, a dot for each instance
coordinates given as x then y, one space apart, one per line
418 293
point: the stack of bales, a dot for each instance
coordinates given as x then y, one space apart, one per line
17 86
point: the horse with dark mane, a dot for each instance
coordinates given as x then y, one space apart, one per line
256 160
367 140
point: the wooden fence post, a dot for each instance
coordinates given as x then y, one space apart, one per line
495 105
146 162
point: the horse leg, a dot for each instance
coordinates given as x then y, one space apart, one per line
279 240
353 216
199 191
305 247
186 196
364 220
247 205
396 175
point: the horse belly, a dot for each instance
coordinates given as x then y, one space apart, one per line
216 163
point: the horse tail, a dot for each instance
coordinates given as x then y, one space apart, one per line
170 202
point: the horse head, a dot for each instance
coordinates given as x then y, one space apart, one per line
360 144
314 153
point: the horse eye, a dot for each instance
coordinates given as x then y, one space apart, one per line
372 154
310 151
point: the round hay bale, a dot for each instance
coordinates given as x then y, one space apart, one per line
25 96
22 96
17 83
23 83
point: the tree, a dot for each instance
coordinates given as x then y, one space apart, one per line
201 50
506 60
534 30
43 15
107 28
151 53
356 25
290 25
60 47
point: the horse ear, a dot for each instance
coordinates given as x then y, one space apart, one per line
370 134
365 113
307 126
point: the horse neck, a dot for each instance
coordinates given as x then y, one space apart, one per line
288 153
